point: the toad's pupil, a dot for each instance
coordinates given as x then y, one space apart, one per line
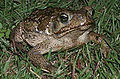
63 18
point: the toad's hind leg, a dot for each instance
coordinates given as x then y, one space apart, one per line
99 40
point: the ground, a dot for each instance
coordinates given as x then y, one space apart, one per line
81 63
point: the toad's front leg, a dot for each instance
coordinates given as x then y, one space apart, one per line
35 54
40 61
99 40
96 38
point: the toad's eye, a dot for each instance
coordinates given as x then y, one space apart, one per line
63 18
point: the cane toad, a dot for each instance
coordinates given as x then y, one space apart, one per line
55 28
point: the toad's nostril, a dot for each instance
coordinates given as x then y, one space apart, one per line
80 16
90 10
82 19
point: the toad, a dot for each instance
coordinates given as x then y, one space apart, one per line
55 29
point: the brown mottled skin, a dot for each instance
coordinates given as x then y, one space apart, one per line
55 28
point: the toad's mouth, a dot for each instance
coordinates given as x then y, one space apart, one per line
65 30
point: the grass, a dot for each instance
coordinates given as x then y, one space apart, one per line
91 60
